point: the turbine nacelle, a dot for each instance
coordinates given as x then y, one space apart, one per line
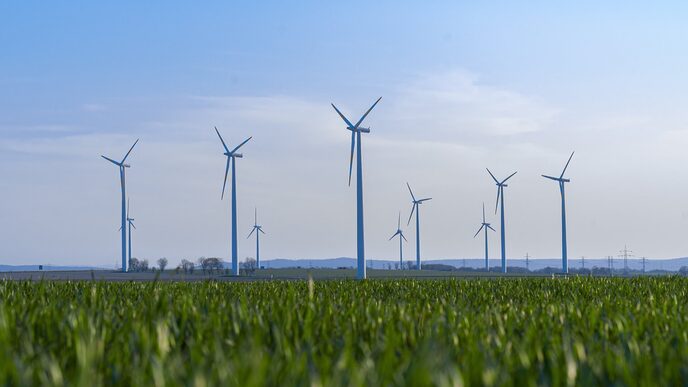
559 179
362 130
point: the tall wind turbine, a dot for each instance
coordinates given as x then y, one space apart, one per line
500 194
356 131
485 226
258 230
401 236
231 159
122 182
561 180
130 224
416 208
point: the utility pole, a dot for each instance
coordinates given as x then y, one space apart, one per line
464 263
527 262
625 253
644 265
583 262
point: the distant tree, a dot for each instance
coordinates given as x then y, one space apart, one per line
249 265
162 263
133 264
210 264
683 270
396 266
187 266
201 263
137 265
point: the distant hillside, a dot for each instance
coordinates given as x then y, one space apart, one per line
673 264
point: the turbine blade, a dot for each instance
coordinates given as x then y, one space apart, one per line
499 191
366 113
567 165
132 225
224 182
393 235
510 176
261 230
551 178
255 216
409 187
490 227
112 161
479 230
240 145
128 206
351 157
493 177
402 235
424 200
413 208
130 149
348 123
483 212
119 229
399 221
223 141
251 233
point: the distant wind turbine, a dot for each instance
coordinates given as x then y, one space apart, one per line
500 194
122 182
401 236
561 180
356 131
258 230
130 224
484 226
231 159
416 208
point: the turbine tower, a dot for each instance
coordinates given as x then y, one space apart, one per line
401 236
561 180
356 131
258 230
485 226
122 182
130 224
416 208
500 204
231 159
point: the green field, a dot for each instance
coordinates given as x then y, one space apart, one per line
529 331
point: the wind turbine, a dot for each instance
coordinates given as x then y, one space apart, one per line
356 142
122 182
416 208
259 229
500 194
401 236
484 226
130 224
231 159
562 181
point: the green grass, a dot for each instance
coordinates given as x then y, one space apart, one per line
586 331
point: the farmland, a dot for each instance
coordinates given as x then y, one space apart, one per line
510 331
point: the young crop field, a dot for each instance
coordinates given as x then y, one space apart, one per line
520 332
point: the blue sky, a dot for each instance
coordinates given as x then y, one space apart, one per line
505 85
